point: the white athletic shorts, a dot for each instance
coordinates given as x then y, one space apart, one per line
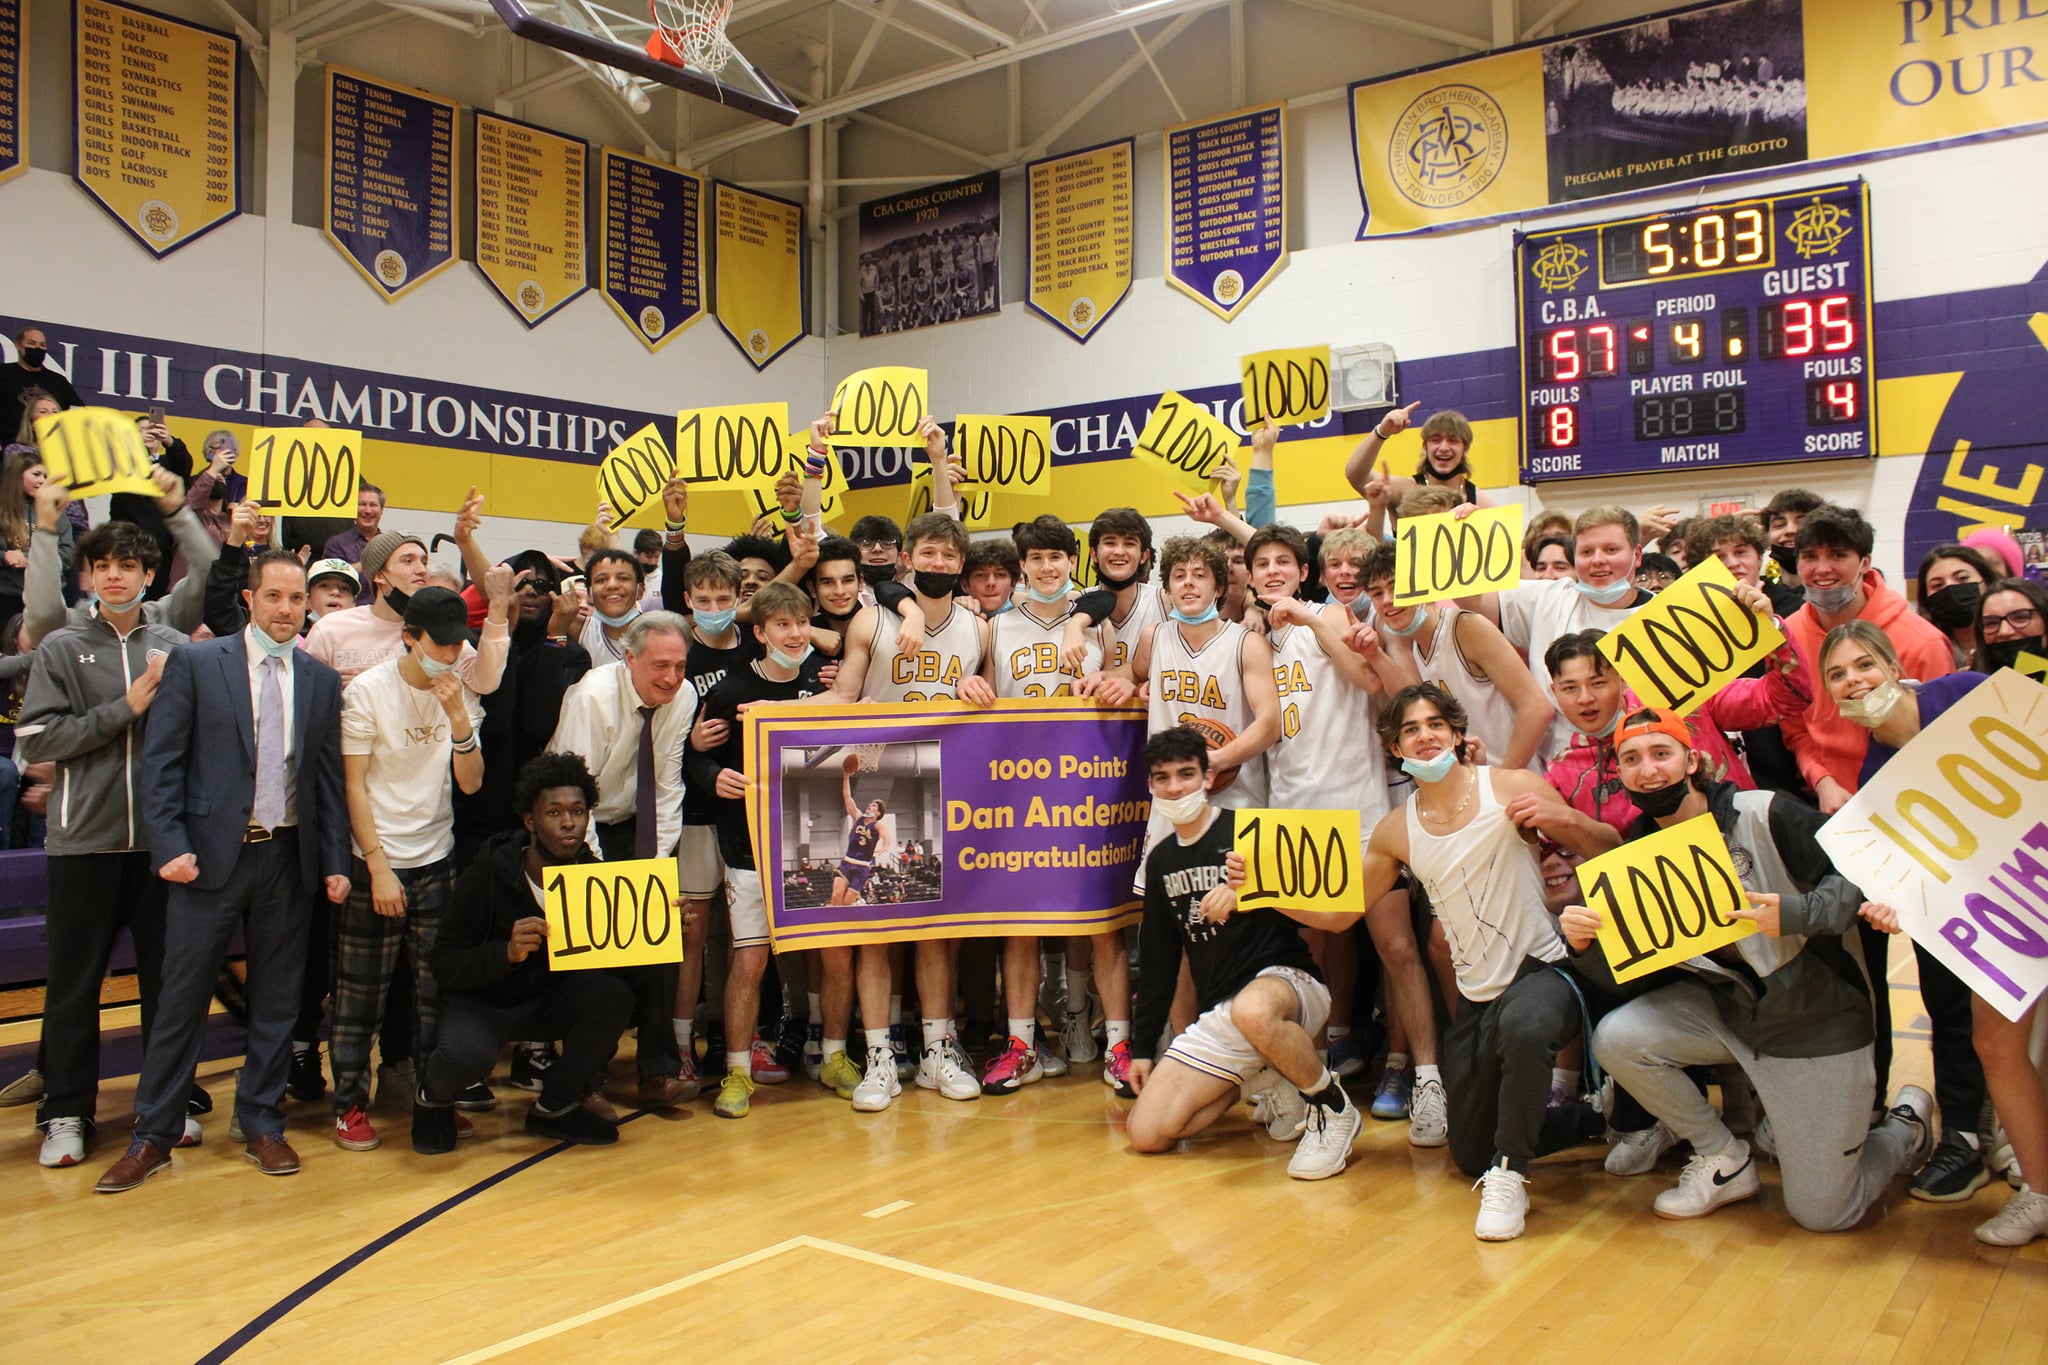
1214 1046
698 861
746 907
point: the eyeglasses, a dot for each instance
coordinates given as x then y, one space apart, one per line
2018 622
877 545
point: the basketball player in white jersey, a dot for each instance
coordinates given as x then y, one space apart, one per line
1025 661
1121 541
948 667
1468 836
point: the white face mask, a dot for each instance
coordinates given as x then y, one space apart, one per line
1182 810
1872 708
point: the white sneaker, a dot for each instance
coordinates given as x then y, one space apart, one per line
942 1069
193 1135
1049 1061
1637 1153
878 1085
1326 1139
63 1143
1914 1108
2024 1217
1503 1204
1079 1038
1708 1182
2000 1159
1429 1118
1286 1110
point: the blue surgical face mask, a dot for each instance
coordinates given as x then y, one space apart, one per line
1614 593
274 648
1613 724
1008 605
622 620
712 622
790 661
1431 770
108 604
1058 594
1399 633
429 665
1211 614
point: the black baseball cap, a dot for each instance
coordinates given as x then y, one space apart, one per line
442 616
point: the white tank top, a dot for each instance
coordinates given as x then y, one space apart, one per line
1329 756
952 651
1204 689
1488 713
1486 891
1026 652
1148 608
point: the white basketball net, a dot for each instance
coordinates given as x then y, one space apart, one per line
870 756
695 30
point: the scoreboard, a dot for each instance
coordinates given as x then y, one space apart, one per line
1724 334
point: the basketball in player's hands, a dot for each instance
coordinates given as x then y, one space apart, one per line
1215 734
850 764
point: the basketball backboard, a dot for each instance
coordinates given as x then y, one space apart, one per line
615 37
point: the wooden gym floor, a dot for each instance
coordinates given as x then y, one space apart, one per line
1019 1229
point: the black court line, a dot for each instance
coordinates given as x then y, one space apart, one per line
270 1316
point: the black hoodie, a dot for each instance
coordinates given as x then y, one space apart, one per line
468 956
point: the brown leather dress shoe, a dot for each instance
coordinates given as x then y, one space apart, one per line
597 1104
144 1159
661 1092
273 1155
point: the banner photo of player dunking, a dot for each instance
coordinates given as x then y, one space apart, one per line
931 255
878 823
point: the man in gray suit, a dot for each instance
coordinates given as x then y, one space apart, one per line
244 809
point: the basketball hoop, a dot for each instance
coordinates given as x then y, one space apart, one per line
691 33
870 756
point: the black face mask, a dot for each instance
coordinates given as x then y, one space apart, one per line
1662 802
931 584
1955 606
1998 654
1103 579
875 575
1787 557
33 356
396 600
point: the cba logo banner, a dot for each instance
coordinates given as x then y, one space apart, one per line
1559 266
1818 229
1448 146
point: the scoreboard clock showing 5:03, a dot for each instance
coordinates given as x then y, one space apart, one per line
1723 334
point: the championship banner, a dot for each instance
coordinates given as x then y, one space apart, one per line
653 261
1949 834
13 88
759 259
1716 90
529 215
157 112
1226 195
391 153
1079 211
932 255
941 820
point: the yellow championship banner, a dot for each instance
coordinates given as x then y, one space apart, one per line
758 264
1690 640
156 106
881 407
1441 556
529 214
1665 898
305 471
1679 97
13 88
1081 239
93 451
1286 387
612 914
1184 441
1298 860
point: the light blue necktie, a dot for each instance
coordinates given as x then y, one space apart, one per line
268 812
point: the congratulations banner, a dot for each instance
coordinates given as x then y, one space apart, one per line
1079 211
13 88
653 245
390 180
529 215
156 110
931 255
759 260
1695 93
1026 818
1226 195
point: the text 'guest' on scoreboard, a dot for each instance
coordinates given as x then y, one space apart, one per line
1722 334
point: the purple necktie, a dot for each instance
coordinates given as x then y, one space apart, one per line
268 812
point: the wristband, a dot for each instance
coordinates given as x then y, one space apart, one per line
1381 434
792 517
678 525
467 746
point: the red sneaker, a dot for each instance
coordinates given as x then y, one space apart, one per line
353 1133
767 1070
1116 1070
1015 1067
686 1075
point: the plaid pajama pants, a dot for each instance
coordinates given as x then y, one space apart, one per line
366 946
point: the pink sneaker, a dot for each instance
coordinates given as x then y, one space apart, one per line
353 1132
767 1071
1116 1070
1015 1067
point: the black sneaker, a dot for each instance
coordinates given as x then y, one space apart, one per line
306 1082
790 1034
476 1099
530 1063
574 1124
433 1128
197 1101
1954 1173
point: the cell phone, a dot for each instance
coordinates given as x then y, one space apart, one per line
574 583
156 414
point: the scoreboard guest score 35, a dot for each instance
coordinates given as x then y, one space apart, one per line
1723 334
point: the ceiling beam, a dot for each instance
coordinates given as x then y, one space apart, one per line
968 21
1469 42
1115 78
967 154
1179 114
1548 23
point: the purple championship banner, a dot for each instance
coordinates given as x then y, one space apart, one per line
880 823
1226 195
391 154
13 92
652 223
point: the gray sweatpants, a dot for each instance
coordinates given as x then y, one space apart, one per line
1835 1165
